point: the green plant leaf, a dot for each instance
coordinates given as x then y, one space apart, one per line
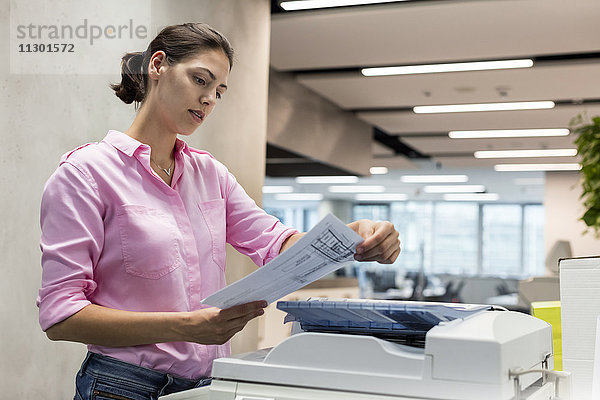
588 149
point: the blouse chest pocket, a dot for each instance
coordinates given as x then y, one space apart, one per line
213 212
148 242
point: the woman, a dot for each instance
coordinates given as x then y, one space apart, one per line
134 230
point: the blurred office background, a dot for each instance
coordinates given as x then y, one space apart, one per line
483 200
299 106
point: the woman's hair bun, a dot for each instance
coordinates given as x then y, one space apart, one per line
133 80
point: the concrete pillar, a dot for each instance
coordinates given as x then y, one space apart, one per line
340 208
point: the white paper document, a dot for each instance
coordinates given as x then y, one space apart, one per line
327 247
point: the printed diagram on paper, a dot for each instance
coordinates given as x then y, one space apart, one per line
327 247
333 247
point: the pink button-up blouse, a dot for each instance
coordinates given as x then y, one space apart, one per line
116 235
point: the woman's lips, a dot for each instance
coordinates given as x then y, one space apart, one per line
197 115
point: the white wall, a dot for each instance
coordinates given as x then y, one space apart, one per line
43 116
563 210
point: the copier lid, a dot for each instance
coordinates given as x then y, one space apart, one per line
383 318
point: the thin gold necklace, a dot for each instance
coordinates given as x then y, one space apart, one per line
166 170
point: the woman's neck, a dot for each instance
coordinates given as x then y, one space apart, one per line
148 129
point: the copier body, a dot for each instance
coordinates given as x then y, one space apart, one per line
462 356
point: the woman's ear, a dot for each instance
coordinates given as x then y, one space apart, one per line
157 65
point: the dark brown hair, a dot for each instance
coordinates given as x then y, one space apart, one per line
178 42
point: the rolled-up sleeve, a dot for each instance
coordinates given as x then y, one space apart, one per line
72 240
250 230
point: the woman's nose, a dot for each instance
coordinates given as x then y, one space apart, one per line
207 99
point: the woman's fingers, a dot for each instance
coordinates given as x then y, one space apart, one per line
388 255
374 233
384 252
217 326
242 310
380 245
395 254
243 319
237 317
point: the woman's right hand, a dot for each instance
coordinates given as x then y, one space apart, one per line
216 326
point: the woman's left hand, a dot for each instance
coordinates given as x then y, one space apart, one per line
381 242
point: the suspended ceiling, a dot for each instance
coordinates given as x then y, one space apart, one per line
326 48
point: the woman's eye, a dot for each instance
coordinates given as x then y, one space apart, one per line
219 95
199 80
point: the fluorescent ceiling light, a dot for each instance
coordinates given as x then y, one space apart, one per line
327 179
453 67
381 197
526 153
299 196
378 170
454 189
472 197
507 133
357 189
310 4
434 178
452 108
538 167
278 189
529 181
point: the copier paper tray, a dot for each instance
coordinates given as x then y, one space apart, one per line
404 322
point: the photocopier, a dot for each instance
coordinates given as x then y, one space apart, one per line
382 350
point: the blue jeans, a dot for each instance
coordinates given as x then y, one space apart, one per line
106 378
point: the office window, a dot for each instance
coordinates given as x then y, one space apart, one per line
533 240
298 217
376 212
311 218
413 222
455 238
502 239
466 238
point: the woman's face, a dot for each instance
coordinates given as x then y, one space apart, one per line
185 93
